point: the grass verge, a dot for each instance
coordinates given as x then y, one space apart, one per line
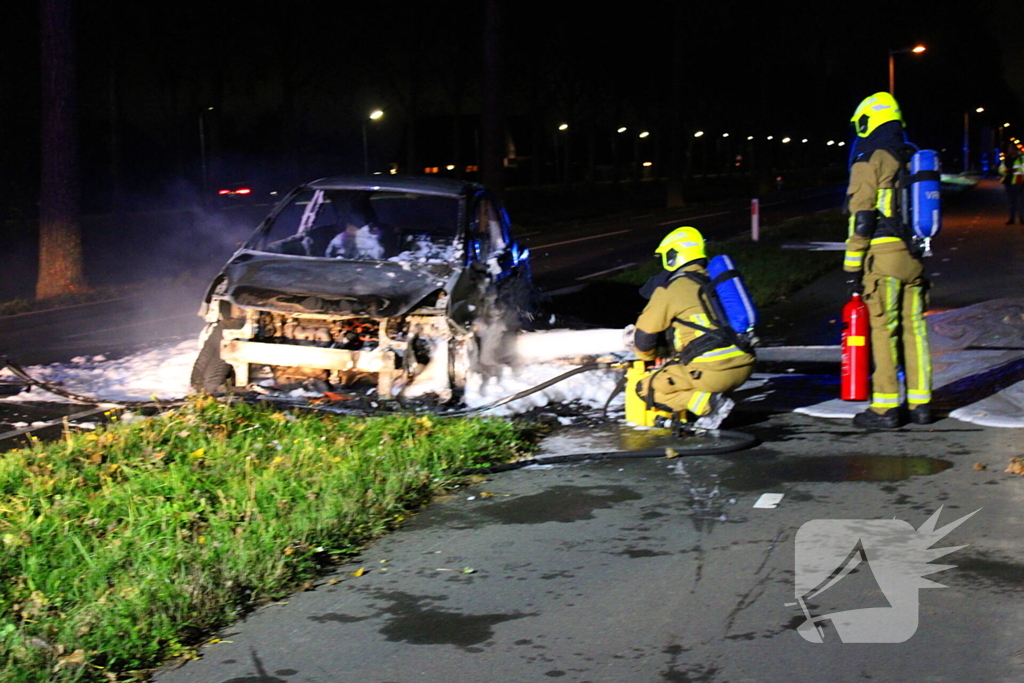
771 272
125 546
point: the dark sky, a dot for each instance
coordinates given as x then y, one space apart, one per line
290 86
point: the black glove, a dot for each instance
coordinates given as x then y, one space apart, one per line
854 284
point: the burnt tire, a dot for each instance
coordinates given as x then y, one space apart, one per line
210 373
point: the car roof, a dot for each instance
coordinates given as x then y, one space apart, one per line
446 187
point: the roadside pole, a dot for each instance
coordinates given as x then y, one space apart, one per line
755 219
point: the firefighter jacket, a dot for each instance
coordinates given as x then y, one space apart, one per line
875 224
1011 171
680 300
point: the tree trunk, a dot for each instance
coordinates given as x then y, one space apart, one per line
60 239
492 166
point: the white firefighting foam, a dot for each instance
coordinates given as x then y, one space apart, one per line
965 342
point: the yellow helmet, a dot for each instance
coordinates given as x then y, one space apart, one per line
874 111
681 246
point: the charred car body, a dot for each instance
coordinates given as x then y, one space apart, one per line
399 284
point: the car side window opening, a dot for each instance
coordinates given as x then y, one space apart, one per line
486 231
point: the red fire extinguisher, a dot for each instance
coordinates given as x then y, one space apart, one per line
854 376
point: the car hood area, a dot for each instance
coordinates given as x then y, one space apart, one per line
299 284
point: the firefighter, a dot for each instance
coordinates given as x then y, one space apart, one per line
706 361
884 265
1011 174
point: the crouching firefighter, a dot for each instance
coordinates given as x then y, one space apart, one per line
708 357
883 262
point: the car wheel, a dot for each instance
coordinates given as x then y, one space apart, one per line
211 374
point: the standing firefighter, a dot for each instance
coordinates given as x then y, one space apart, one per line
884 263
706 360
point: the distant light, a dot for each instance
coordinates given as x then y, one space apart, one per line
648 163
273 192
771 137
980 109
376 114
919 49
842 144
622 129
725 135
564 126
223 191
698 134
644 134
450 167
804 140
750 137
785 140
243 190
393 171
830 143
1006 125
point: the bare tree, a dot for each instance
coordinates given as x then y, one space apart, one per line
492 161
60 240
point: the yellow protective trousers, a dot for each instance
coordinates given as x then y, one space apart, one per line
689 387
895 298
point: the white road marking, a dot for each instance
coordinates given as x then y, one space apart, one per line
605 272
579 239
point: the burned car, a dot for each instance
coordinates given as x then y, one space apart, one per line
379 284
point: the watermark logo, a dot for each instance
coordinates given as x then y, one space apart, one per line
879 561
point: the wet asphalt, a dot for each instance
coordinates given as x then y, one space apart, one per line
662 569
659 570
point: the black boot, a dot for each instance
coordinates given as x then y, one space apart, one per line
869 419
921 414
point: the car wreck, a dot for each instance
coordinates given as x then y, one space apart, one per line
379 284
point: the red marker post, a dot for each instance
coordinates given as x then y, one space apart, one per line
755 219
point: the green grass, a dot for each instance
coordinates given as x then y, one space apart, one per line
125 546
771 272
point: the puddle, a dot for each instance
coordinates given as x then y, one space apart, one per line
753 475
415 623
617 437
1003 573
558 504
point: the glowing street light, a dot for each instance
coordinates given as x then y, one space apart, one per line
917 49
564 126
725 135
786 140
621 129
698 134
644 134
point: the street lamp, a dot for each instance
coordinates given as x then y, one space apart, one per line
917 49
375 115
